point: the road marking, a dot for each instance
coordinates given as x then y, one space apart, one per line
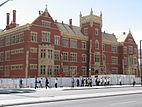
123 103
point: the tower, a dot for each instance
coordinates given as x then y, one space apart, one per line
91 26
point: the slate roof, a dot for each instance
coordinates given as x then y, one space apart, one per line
71 30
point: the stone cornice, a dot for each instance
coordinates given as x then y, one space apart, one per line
16 29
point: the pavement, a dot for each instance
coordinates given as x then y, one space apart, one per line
33 100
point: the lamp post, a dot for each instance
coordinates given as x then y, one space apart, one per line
141 60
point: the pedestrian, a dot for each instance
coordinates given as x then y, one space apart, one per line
82 82
77 82
35 82
40 84
90 82
134 82
20 83
73 82
56 83
46 83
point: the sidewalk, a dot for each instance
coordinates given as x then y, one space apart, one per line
33 100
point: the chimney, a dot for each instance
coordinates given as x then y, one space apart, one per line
8 18
124 33
14 16
70 22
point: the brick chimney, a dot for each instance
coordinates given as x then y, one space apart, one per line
14 16
7 18
70 23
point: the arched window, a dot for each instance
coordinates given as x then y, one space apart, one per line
96 44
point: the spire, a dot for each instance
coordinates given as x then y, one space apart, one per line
129 31
80 14
91 12
46 8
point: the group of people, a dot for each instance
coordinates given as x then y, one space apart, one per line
103 81
83 82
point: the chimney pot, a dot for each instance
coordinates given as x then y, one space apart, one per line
14 16
8 18
70 22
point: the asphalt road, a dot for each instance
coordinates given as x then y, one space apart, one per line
113 101
54 93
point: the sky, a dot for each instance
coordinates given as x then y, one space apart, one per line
118 15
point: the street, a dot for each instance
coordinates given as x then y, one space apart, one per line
75 97
114 101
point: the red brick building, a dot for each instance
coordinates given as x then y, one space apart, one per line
48 48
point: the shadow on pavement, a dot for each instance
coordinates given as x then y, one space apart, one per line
14 91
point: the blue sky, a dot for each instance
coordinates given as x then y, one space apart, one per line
118 15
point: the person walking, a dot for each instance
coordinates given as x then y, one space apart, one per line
20 83
134 82
46 83
120 82
73 82
56 83
36 83
77 82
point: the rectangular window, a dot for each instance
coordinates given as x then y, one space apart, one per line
42 69
103 47
73 70
85 31
73 43
114 49
49 70
33 66
114 60
57 40
83 44
73 57
43 53
7 55
7 41
46 23
65 56
57 55
84 70
1 56
34 36
130 50
2 42
83 57
97 58
125 50
56 70
45 36
50 54
65 43
96 31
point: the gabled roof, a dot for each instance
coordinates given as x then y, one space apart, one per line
121 38
71 30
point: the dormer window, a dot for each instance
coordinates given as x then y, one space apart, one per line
46 23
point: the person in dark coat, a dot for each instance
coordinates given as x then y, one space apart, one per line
46 83
77 81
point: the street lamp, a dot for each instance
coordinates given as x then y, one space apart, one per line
141 60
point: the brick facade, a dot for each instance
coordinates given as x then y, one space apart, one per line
48 48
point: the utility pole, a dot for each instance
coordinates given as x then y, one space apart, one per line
4 2
141 60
